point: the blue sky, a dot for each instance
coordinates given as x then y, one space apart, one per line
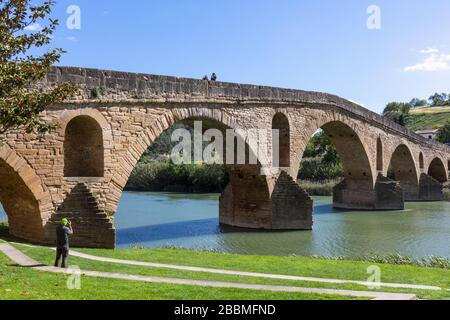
321 45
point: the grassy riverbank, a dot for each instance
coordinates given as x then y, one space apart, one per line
319 188
25 283
18 283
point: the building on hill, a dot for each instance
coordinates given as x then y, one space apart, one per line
430 134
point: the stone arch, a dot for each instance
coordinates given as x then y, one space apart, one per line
421 162
356 191
281 147
336 124
148 136
83 148
404 171
68 115
379 155
436 170
351 151
25 199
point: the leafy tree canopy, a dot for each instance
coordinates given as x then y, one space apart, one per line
397 111
418 103
439 99
20 105
444 133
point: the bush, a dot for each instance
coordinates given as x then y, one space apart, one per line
168 177
430 262
397 259
316 169
319 188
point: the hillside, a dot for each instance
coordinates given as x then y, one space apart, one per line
427 118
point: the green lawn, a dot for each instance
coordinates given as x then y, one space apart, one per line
24 283
427 118
430 110
300 266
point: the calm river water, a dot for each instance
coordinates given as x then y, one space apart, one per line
191 221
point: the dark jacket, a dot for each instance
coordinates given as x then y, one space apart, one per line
62 236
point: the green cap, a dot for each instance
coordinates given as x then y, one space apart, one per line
64 222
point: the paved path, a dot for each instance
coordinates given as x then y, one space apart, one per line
23 260
247 274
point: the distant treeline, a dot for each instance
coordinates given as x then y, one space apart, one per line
398 111
189 178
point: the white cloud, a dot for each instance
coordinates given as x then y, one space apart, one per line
33 27
429 51
434 61
71 38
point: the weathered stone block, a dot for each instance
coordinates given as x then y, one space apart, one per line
430 189
291 206
349 194
388 194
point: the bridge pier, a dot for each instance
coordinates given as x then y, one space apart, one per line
354 195
247 203
292 207
388 194
91 225
358 195
429 189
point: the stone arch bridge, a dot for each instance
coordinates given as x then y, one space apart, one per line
80 169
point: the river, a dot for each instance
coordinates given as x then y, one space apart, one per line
191 221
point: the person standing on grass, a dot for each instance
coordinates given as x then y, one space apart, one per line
62 242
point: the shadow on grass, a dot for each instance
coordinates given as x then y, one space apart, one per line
4 231
26 267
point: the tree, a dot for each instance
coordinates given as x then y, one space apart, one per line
320 159
397 111
438 99
443 135
20 33
418 103
321 146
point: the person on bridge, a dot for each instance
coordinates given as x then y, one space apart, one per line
62 242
